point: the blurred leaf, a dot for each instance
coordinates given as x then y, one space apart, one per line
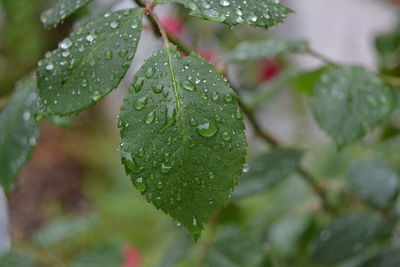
387 46
285 233
88 64
105 255
267 170
177 250
374 181
261 13
195 142
62 229
61 10
388 258
63 122
234 248
247 51
345 237
305 82
348 102
18 131
17 259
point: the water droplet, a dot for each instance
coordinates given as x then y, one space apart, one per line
246 168
150 117
165 169
149 72
178 197
141 103
207 129
114 24
130 164
65 44
225 136
158 89
224 3
140 185
90 37
50 66
108 55
228 97
96 96
138 84
188 86
26 115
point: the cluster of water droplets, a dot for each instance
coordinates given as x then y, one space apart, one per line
232 12
60 11
90 63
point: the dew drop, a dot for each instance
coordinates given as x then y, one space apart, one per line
188 86
207 129
246 168
140 185
150 117
165 169
149 72
141 103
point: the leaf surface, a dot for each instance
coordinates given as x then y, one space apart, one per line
88 64
346 236
18 131
261 13
349 102
374 181
61 10
183 141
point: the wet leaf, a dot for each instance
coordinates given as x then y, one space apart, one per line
348 102
182 133
261 13
247 51
18 131
346 236
373 181
266 171
88 64
61 10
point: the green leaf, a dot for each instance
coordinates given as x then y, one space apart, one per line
388 258
18 131
61 10
261 13
346 236
374 181
63 122
305 82
182 134
248 51
348 102
233 247
88 64
267 170
15 258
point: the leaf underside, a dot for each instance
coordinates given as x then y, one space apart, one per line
61 10
183 141
348 102
260 13
88 64
18 131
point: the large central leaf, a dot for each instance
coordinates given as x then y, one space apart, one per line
261 13
183 140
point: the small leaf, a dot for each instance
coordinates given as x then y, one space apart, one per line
305 82
88 64
261 13
346 236
18 131
233 247
348 102
183 140
267 170
373 181
388 258
247 51
61 10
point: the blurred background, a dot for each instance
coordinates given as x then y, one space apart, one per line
74 205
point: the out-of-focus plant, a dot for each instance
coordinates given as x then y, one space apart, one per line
183 138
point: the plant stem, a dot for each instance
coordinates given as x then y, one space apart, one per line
155 23
320 56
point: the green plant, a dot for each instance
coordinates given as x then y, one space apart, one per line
182 133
